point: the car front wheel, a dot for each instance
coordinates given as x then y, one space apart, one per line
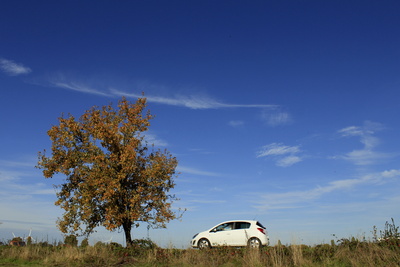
254 243
204 244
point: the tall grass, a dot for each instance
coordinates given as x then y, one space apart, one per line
345 253
59 256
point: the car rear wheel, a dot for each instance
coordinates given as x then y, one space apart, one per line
204 244
254 243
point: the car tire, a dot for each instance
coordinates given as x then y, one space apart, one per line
203 244
254 242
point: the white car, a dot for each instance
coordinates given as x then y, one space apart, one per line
238 233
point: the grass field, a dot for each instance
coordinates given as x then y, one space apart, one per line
345 252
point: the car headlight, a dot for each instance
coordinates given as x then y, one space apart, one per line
194 236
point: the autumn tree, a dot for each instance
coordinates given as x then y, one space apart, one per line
114 178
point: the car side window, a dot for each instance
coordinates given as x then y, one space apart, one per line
242 225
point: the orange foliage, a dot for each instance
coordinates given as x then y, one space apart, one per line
113 177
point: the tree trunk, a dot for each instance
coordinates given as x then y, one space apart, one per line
127 229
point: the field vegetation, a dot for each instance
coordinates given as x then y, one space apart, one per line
345 252
382 250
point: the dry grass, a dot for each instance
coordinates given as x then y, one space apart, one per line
354 253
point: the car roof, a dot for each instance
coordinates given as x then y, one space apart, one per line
250 221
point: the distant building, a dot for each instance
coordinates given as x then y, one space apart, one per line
17 243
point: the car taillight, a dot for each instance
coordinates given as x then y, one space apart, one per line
261 230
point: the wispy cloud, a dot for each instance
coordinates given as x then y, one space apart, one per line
368 155
17 178
27 198
12 68
14 185
236 123
77 87
277 149
202 201
191 101
26 163
275 117
294 198
153 139
196 171
284 156
288 161
200 151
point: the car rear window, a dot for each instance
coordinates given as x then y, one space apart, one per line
260 225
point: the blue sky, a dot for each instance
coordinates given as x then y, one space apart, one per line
280 111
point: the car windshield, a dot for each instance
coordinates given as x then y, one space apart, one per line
224 227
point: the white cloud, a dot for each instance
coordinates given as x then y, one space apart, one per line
285 156
288 161
12 68
277 149
368 128
236 123
202 201
276 117
78 87
196 171
27 198
391 173
18 178
367 155
200 151
364 157
190 101
9 163
294 198
351 131
153 139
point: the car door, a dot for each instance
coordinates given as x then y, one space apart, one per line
239 235
222 235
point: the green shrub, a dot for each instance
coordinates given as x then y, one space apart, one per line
85 243
144 243
71 240
391 231
322 252
100 244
